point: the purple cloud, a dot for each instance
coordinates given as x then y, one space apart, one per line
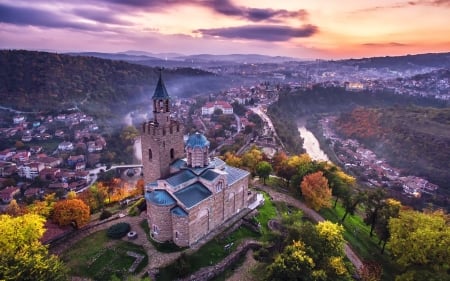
390 44
262 32
104 16
36 17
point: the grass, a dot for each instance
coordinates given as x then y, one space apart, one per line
99 257
266 212
211 253
357 234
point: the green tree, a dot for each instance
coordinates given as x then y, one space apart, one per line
23 257
351 202
374 203
129 134
390 209
426 236
251 158
263 170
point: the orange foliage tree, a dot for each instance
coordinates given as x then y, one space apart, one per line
315 190
71 210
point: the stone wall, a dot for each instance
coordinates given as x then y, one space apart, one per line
208 273
162 218
181 225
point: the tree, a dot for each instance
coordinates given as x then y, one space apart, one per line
251 158
71 195
390 209
13 209
232 159
351 202
370 271
43 208
71 211
23 257
263 170
374 203
293 264
129 134
315 190
427 238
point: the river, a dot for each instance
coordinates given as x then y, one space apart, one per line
310 143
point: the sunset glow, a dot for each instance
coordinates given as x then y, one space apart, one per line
303 29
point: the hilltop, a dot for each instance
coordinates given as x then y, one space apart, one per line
42 81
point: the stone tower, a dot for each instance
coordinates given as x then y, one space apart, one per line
162 138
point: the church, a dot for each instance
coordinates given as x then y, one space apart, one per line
188 193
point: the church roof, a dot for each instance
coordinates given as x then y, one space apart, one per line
180 178
197 140
192 194
235 174
210 175
160 90
160 197
179 212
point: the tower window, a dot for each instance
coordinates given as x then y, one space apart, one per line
150 156
172 153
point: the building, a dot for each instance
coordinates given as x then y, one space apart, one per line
188 193
210 107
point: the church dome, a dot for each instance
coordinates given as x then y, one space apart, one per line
197 140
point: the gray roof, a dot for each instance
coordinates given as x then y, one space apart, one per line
180 178
160 90
178 211
192 194
160 197
178 164
210 175
151 184
235 174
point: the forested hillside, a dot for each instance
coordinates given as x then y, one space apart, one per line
35 81
303 103
413 138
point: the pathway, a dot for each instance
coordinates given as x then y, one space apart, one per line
278 196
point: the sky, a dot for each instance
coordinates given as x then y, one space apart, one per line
326 29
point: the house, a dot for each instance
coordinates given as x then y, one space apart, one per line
65 146
49 173
210 107
7 154
74 159
32 193
30 170
19 119
7 194
21 156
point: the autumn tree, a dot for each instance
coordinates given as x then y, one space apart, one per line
251 158
43 208
71 195
23 257
370 271
232 159
263 170
71 211
13 209
315 190
426 236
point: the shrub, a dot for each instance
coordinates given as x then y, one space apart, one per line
105 214
118 230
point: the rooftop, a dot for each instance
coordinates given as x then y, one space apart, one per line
179 212
160 90
197 140
235 174
192 194
209 175
180 178
160 197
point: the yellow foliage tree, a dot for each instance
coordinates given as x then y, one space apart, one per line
23 257
70 211
43 208
315 190
232 159
13 209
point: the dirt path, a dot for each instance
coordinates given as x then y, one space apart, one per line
244 272
278 196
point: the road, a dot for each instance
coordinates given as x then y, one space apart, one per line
257 110
278 196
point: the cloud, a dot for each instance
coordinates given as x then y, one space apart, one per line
262 32
36 17
390 44
104 16
400 5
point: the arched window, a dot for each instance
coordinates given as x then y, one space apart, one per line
219 186
172 153
150 156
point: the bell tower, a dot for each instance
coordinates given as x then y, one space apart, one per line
161 138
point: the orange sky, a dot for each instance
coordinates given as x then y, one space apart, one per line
303 29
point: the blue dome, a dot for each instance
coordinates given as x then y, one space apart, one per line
197 140
160 197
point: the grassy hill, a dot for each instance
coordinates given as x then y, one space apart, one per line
40 81
416 139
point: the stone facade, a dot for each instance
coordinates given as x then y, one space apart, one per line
188 194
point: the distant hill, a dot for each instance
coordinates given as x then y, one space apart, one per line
35 81
416 139
238 58
434 60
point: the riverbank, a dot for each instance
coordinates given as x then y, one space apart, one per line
310 143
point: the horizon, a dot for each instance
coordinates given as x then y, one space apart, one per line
327 30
